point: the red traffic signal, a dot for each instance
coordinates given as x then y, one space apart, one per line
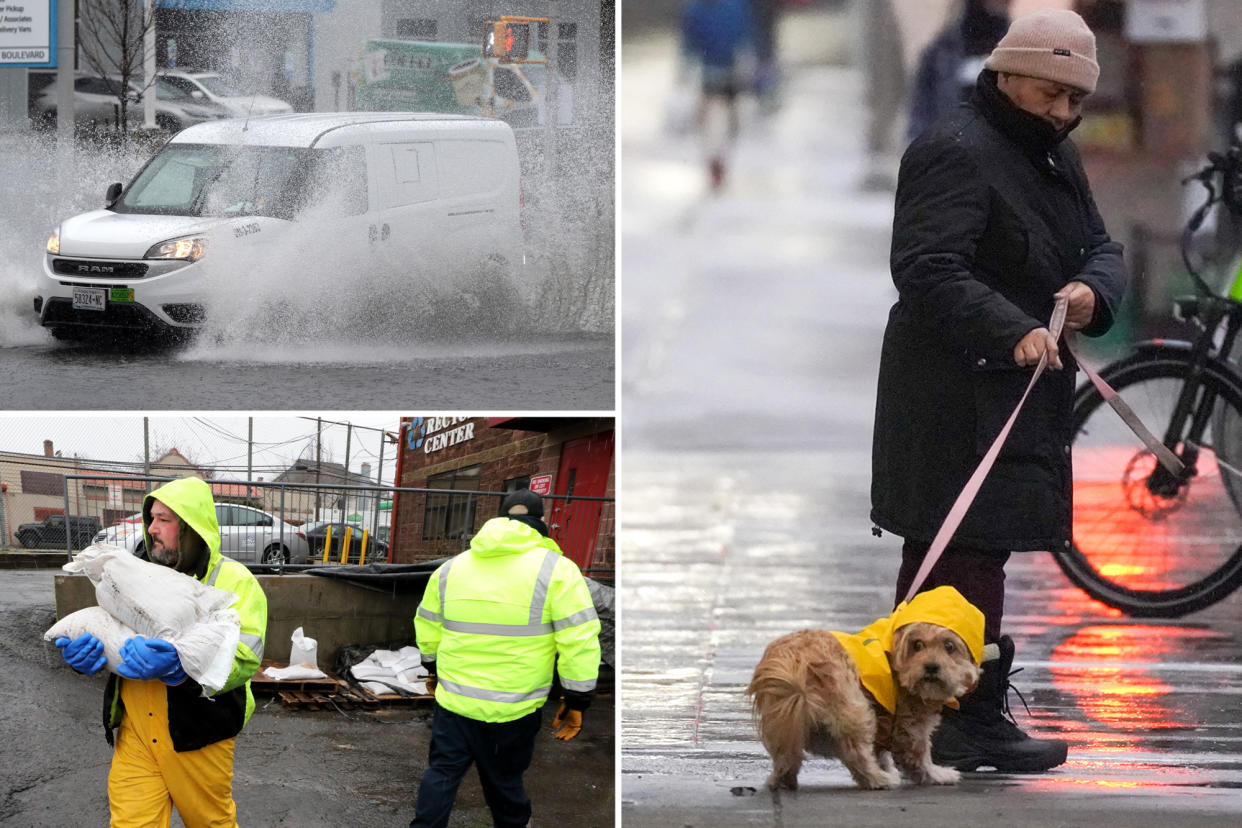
507 40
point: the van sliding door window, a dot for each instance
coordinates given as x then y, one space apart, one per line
413 173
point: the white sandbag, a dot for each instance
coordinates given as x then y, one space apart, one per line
144 598
97 622
156 601
294 671
303 650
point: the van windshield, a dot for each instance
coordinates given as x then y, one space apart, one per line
221 181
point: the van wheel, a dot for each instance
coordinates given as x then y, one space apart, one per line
494 297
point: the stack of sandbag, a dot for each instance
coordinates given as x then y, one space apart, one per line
392 671
137 597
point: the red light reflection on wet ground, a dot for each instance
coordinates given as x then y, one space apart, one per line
1144 542
1112 704
1098 667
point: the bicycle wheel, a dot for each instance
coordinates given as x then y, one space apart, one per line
1155 554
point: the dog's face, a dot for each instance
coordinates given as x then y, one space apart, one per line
932 662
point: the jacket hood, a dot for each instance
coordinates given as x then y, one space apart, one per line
504 536
944 606
190 498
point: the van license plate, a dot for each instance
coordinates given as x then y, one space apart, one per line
87 298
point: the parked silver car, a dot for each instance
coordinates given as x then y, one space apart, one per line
247 534
211 87
96 103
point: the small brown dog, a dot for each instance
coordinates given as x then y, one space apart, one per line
871 696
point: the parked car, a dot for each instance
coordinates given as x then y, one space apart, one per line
96 102
51 531
211 87
247 534
316 533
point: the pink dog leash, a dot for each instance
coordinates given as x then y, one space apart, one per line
967 495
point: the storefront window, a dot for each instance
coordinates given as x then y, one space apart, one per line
451 515
513 484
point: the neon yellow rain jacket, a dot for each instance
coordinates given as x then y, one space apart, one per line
496 617
195 721
870 646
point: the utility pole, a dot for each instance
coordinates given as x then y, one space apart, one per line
148 66
250 449
66 49
146 447
349 433
318 460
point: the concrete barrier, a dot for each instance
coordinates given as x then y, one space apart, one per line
332 612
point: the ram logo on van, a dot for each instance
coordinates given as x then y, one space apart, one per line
93 268
246 230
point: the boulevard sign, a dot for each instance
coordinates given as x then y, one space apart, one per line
27 33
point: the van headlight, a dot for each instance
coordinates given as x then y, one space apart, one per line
190 248
53 242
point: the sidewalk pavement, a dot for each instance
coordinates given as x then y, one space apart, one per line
750 345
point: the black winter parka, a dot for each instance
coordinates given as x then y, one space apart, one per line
993 216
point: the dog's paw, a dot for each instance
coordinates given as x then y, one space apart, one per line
878 780
782 782
941 775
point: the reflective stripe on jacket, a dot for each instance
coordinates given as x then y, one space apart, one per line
495 619
194 720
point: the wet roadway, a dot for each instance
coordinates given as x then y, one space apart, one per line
748 401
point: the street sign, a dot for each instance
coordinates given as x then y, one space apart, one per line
541 484
27 34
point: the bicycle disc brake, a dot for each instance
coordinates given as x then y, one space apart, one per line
1139 495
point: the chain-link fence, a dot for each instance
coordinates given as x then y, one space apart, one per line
301 523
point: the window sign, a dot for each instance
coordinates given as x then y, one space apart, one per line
27 33
1166 21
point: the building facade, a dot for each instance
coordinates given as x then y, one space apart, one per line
471 462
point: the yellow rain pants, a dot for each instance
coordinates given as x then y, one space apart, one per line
148 777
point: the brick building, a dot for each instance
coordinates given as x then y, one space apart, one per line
465 465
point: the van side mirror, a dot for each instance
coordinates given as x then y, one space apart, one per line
114 192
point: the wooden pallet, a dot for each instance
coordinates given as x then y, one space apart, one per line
343 697
262 683
395 699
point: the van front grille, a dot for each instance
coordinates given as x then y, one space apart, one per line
99 270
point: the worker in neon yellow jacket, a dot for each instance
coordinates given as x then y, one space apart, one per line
492 624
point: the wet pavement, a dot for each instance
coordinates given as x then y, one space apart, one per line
326 769
751 332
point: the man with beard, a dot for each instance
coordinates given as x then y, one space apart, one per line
175 745
994 223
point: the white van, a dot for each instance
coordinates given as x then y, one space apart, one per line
404 189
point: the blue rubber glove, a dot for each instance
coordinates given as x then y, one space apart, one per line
151 658
84 653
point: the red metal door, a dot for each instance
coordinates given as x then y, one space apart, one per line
585 464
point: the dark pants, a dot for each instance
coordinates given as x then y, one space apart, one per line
502 750
979 574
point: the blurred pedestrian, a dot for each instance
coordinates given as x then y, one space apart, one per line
950 64
175 744
715 34
491 625
766 17
994 221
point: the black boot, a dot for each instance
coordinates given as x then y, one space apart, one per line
982 733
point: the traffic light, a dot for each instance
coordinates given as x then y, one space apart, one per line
507 40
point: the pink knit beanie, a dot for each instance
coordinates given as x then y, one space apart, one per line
1052 44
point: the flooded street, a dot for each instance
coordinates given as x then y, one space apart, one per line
570 371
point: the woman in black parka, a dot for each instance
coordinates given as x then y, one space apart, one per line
994 219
